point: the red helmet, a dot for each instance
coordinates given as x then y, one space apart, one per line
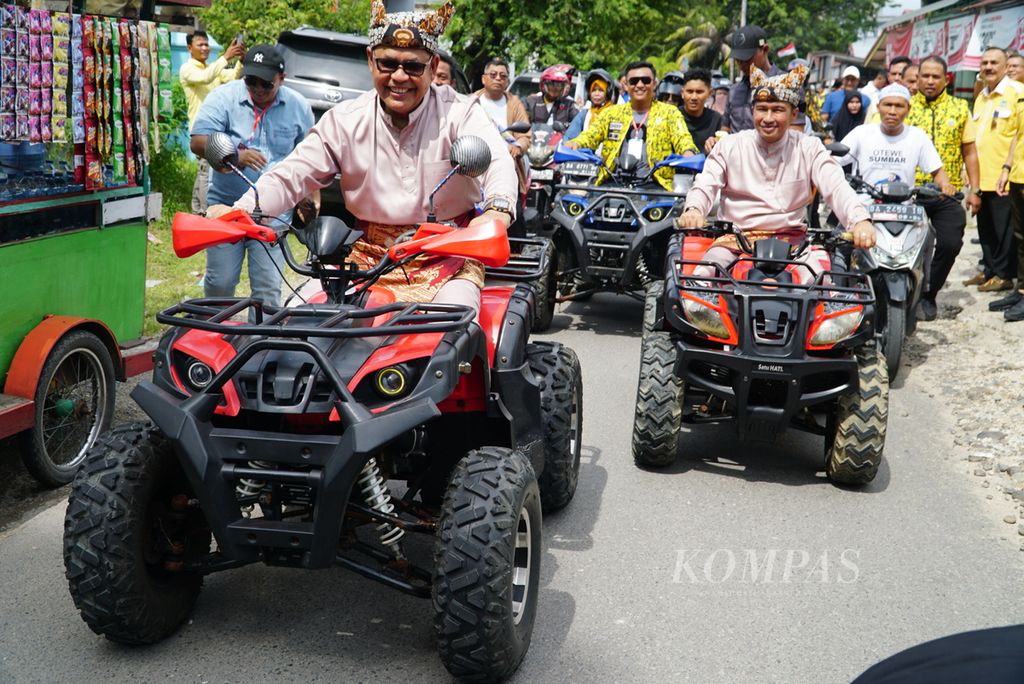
553 74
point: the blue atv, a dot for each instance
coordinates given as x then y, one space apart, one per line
612 237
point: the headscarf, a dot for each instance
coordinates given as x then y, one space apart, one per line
845 121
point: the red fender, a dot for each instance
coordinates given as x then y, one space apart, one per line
23 376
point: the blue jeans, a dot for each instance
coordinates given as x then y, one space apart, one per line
224 266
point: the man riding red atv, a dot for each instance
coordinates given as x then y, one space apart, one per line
280 432
757 321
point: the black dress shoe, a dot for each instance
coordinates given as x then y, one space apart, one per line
1015 312
927 310
1004 303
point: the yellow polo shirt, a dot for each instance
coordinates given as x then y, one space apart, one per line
996 119
198 79
1017 172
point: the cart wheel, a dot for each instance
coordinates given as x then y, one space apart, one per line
74 404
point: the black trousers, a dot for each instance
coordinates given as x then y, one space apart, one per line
948 220
996 234
1017 211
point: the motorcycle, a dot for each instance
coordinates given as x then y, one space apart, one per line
898 262
765 343
277 435
613 237
544 175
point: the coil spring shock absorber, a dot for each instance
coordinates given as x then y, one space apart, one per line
642 272
371 483
248 487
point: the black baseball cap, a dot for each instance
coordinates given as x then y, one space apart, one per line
263 61
746 40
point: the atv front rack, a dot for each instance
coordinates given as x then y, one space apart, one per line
218 315
526 262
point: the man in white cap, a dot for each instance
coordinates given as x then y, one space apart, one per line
390 146
834 101
892 151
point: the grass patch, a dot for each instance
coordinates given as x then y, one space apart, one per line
173 175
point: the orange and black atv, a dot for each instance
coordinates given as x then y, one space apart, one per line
766 343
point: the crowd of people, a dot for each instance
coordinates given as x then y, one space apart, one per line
762 138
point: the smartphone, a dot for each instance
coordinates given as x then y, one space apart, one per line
239 38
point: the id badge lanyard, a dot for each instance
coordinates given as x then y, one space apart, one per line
635 144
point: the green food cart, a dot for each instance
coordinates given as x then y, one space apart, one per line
73 272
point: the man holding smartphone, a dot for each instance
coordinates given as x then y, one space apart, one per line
199 78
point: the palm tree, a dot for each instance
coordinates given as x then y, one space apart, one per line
700 39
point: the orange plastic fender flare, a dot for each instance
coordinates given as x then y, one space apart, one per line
23 376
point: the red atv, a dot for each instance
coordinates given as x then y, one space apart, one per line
767 344
276 431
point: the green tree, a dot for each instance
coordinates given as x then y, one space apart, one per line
262 21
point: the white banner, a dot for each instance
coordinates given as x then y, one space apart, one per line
928 40
993 29
958 34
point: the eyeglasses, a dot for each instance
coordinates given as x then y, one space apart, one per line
497 75
387 65
258 83
633 80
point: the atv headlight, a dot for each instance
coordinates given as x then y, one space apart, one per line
710 319
655 214
573 209
830 328
391 382
198 375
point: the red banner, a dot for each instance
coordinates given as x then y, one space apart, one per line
898 42
958 34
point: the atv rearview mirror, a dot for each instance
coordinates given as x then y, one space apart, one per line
470 155
220 152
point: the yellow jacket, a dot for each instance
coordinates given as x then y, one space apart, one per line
666 134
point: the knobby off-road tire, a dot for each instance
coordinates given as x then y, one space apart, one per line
859 436
74 404
118 516
545 287
487 565
894 336
659 398
652 293
561 405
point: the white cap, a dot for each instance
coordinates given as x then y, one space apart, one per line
894 90
851 71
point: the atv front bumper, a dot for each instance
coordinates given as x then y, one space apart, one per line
766 393
216 459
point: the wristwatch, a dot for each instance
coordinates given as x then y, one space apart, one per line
502 204
977 191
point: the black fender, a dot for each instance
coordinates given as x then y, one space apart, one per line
647 232
572 229
897 285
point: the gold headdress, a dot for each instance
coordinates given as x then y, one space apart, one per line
408 29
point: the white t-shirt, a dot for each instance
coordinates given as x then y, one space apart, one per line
497 110
881 158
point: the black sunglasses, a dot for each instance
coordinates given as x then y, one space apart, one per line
411 67
646 80
258 83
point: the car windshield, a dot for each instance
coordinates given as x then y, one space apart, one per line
340 66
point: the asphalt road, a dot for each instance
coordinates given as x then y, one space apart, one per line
646 576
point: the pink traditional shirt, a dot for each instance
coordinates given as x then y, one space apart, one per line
767 186
387 174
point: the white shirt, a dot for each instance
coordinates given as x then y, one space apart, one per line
497 110
882 158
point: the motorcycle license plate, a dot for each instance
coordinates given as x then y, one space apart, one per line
542 174
905 213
